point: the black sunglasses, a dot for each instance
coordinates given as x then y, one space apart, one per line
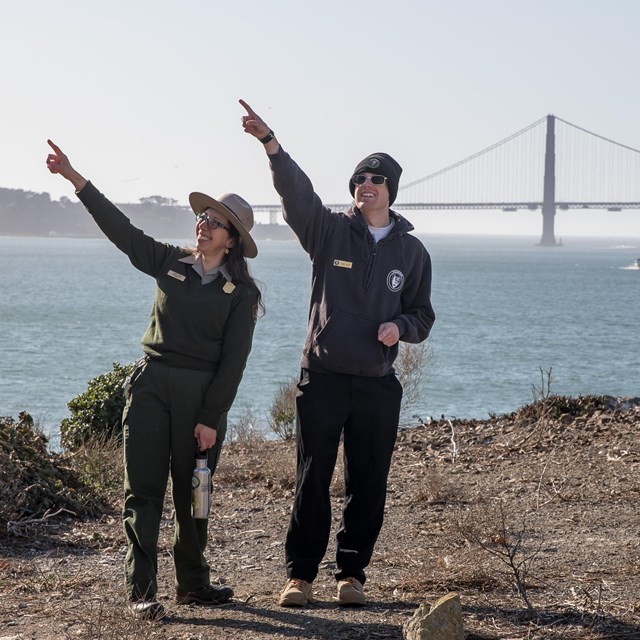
360 178
212 223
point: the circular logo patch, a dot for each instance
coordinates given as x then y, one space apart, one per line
374 163
395 280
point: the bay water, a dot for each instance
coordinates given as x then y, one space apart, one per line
508 312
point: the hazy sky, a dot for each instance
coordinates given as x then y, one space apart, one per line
143 94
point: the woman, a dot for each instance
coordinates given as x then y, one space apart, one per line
196 348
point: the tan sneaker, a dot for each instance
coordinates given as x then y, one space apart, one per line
296 593
351 593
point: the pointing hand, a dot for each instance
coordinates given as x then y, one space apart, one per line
252 123
57 162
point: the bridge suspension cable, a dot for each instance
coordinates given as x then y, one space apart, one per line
510 170
593 168
590 170
597 135
455 165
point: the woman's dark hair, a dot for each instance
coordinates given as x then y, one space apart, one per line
238 267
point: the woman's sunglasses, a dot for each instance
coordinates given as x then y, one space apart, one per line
212 223
360 178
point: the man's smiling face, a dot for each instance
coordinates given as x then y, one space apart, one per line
371 197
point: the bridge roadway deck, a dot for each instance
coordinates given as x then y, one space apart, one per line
504 206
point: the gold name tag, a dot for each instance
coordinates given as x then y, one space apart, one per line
342 263
176 275
228 287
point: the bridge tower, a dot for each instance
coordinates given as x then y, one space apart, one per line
549 194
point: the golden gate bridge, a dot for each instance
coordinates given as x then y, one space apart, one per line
551 165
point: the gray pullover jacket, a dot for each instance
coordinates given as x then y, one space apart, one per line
356 284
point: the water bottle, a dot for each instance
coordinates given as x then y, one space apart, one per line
201 488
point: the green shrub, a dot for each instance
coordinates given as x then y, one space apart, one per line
37 485
97 412
412 368
282 415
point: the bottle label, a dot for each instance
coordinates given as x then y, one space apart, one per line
200 495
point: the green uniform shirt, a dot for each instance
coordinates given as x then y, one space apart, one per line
193 325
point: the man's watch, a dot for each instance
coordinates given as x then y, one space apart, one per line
268 138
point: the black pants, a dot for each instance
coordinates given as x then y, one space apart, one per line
368 410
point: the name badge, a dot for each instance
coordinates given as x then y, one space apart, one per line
176 275
342 263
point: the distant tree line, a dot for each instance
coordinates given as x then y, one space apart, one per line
26 213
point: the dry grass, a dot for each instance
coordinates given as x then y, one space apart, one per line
569 510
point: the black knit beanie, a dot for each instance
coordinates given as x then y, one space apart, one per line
382 164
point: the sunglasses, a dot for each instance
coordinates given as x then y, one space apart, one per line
360 178
212 223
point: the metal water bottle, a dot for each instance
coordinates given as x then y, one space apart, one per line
201 488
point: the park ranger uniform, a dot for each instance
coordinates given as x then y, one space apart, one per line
196 348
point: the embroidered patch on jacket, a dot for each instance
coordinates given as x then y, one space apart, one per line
176 275
395 280
343 263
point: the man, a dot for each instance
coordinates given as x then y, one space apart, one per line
371 288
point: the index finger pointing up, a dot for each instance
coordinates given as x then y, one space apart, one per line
55 147
250 111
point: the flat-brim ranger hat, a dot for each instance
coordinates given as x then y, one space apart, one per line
235 209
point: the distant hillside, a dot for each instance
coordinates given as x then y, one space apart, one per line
26 213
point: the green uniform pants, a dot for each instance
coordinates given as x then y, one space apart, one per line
159 420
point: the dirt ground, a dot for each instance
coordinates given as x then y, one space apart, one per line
545 499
